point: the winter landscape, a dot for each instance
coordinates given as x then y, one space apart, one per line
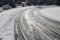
41 19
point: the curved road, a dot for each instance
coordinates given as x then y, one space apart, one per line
31 25
7 19
28 24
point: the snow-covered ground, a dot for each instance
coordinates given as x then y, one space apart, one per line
52 13
7 19
7 22
36 24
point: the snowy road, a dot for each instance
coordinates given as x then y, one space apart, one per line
33 24
31 21
7 22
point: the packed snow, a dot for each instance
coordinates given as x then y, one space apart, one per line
7 19
34 25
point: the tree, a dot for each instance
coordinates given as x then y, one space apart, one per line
12 3
58 2
50 2
1 3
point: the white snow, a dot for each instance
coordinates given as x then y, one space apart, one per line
7 22
7 19
52 13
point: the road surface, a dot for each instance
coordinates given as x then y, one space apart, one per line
28 24
34 25
7 19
